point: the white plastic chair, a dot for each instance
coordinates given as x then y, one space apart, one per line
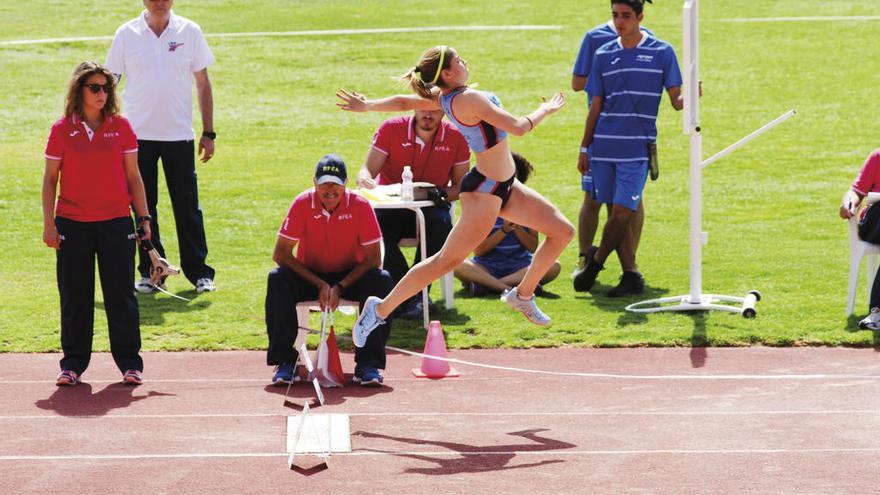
447 286
859 249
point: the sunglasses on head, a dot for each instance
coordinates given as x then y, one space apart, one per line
94 88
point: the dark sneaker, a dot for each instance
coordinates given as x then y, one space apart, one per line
631 283
284 374
414 308
133 377
477 290
67 378
367 376
584 279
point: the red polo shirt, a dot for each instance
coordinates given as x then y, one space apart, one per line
93 185
397 140
868 179
330 242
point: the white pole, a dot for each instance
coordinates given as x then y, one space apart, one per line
766 127
692 100
696 218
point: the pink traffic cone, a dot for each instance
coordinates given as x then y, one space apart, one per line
435 345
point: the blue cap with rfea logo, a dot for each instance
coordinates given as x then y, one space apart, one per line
331 168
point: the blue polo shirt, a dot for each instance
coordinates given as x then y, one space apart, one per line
593 39
631 83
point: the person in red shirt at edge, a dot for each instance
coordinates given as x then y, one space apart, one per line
867 181
94 151
338 254
438 154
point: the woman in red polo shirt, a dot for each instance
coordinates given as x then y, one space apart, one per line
94 151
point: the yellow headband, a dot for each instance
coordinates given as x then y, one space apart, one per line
440 65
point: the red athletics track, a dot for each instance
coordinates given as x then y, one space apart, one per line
207 423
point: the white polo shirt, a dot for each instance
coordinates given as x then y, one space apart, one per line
158 75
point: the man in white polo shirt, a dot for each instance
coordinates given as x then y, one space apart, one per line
160 54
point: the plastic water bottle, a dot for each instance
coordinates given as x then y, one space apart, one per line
406 187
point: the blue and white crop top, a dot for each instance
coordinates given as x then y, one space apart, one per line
481 136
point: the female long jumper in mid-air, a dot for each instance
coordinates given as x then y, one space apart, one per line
489 190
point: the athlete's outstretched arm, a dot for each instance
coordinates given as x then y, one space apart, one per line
479 107
352 101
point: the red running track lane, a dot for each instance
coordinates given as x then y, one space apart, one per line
207 422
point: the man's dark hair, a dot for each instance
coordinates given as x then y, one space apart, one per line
636 5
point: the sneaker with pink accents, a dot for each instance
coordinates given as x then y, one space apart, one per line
133 377
67 378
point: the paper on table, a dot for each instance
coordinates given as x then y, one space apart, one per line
374 196
385 193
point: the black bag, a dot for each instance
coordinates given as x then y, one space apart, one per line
653 163
869 225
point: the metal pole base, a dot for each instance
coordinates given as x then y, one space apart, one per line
707 302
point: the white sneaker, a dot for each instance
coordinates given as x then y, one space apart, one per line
872 321
144 286
205 285
527 307
366 322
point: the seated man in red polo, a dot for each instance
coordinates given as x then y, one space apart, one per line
437 153
336 237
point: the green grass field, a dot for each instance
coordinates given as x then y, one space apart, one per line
770 208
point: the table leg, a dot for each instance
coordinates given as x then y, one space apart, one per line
420 223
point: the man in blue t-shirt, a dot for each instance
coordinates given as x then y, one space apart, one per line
626 83
588 218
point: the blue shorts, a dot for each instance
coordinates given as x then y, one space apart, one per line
620 183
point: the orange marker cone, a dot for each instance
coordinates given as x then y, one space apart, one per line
435 345
328 369
334 364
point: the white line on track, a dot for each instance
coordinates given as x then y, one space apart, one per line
543 453
616 376
327 32
116 380
610 376
828 18
453 414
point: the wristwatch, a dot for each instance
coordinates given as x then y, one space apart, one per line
209 134
145 218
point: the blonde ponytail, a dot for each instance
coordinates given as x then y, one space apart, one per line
424 79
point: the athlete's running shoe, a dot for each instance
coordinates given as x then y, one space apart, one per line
366 322
526 307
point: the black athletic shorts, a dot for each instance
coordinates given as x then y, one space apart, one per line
474 181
